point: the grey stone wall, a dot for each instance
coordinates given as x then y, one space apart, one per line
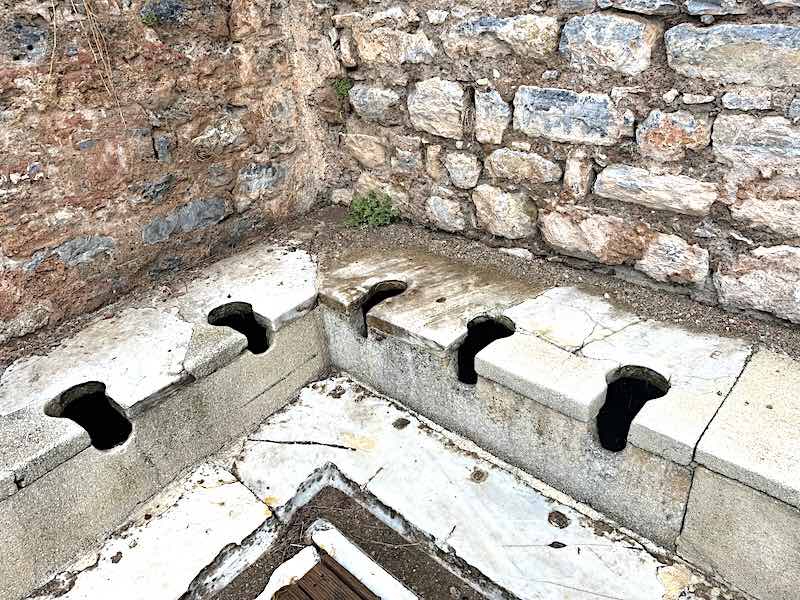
659 139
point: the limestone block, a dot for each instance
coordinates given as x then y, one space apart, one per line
765 279
615 41
745 536
492 117
566 116
437 106
527 36
760 54
676 193
506 214
521 167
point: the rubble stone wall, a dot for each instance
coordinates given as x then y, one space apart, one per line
138 137
658 139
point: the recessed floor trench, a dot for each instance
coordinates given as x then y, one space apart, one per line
240 317
629 389
88 405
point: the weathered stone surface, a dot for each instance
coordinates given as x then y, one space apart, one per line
771 205
644 7
433 162
743 535
225 135
437 106
793 111
717 7
406 162
601 238
676 193
464 169
730 53
669 258
506 214
528 36
753 438
256 181
366 149
521 167
766 279
781 3
437 17
576 6
566 116
446 213
375 103
762 144
619 42
692 99
666 136
578 175
748 98
369 183
386 46
198 214
492 117
83 249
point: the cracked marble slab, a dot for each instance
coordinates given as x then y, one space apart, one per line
700 368
279 282
167 543
441 298
570 317
529 543
136 354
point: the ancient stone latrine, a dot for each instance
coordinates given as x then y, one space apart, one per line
657 139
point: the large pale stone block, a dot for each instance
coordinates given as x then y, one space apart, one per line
437 106
760 54
754 437
765 279
527 36
618 42
745 536
521 167
676 193
506 214
566 116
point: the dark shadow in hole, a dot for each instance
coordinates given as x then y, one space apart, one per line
481 332
377 294
629 389
87 405
240 317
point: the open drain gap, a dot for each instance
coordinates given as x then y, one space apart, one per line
629 389
240 317
377 294
481 332
88 405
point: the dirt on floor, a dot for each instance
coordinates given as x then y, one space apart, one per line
324 234
403 559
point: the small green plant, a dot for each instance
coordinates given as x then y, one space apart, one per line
373 209
342 87
149 19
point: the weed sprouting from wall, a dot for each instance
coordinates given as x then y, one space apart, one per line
374 209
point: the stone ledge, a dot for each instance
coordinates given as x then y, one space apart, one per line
144 354
754 437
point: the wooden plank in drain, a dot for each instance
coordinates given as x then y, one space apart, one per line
326 581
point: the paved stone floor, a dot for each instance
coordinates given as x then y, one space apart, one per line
526 538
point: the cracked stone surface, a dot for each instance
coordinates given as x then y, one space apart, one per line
136 354
168 541
754 439
499 522
442 295
279 282
700 368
